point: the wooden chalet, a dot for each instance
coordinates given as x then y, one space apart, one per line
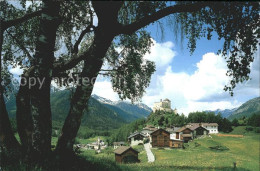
124 154
175 140
160 138
198 131
185 134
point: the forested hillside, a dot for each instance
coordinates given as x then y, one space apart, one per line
98 115
247 109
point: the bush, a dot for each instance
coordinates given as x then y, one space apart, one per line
257 129
196 144
219 148
249 128
77 141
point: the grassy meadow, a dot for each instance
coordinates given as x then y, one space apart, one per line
197 155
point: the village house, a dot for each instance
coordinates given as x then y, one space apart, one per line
184 134
118 144
189 132
198 131
124 154
160 138
211 127
136 138
98 145
175 140
148 130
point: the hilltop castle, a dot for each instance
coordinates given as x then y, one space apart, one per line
164 105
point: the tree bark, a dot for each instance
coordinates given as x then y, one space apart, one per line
40 92
7 138
104 34
23 114
83 92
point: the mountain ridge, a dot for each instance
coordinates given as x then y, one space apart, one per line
98 115
245 110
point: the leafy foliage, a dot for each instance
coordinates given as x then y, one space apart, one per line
225 19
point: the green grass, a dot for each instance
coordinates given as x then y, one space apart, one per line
243 151
196 156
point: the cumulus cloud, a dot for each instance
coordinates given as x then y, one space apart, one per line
16 71
203 89
162 54
188 92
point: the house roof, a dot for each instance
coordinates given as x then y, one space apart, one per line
160 129
119 143
209 124
186 135
149 126
195 127
203 124
182 129
123 149
150 129
135 134
172 130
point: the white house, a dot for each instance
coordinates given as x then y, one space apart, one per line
211 127
172 132
136 138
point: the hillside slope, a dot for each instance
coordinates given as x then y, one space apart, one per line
136 110
247 109
98 115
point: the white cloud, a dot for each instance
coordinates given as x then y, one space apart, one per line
16 71
162 54
201 90
104 89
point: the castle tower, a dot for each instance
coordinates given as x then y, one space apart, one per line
163 105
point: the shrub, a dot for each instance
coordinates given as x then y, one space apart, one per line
257 129
219 148
249 128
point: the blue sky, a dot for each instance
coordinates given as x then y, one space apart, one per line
192 82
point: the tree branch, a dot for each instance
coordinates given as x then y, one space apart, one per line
75 59
131 28
16 21
87 30
20 45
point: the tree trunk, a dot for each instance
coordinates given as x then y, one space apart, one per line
7 138
83 92
40 92
107 13
23 115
